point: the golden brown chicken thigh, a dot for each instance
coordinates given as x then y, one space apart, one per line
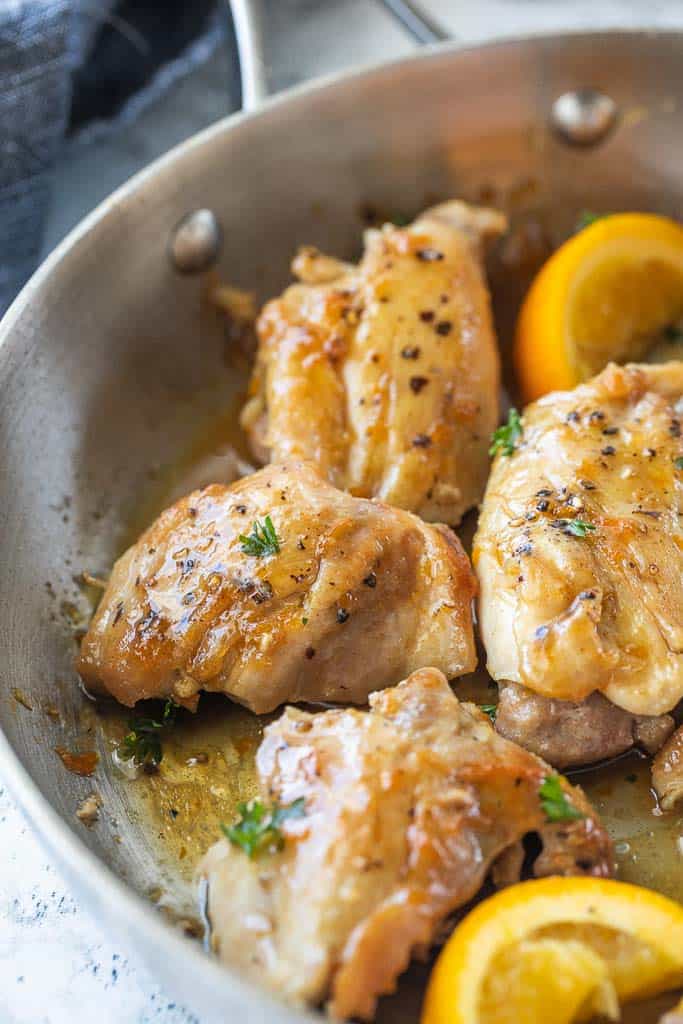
386 374
356 595
579 550
405 809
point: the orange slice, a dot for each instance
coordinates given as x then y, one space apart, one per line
609 293
555 951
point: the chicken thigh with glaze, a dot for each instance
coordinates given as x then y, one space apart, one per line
579 554
406 807
350 596
386 374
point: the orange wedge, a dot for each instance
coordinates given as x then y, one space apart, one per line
555 951
608 293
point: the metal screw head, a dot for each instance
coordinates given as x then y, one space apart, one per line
196 242
583 117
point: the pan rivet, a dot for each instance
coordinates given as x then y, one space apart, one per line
195 242
583 117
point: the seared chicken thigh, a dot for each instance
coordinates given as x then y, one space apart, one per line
579 549
386 374
338 597
405 809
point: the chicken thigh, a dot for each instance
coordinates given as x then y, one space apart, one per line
386 374
404 809
327 598
579 554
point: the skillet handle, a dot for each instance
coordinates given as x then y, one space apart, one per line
249 18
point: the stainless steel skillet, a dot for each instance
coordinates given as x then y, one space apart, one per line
110 360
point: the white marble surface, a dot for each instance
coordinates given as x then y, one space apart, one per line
56 965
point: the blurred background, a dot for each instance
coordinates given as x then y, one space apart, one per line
93 90
90 92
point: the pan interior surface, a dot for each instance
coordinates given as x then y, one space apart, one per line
114 369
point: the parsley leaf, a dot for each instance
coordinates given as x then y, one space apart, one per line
574 527
262 540
258 829
142 742
504 439
678 463
490 710
586 218
556 806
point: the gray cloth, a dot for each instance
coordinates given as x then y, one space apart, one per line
43 44
34 104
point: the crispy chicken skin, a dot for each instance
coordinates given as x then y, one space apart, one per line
667 772
386 374
565 614
567 733
407 808
359 595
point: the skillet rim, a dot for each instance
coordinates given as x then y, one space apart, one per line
100 888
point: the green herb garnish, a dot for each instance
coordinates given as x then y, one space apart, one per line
573 527
258 829
554 802
504 439
678 463
142 742
586 218
262 540
672 332
579 527
491 710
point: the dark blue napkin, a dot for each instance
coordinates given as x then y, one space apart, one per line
34 107
65 64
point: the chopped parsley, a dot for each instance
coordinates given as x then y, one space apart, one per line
556 806
142 742
672 332
678 463
262 540
258 829
490 710
574 527
505 438
586 218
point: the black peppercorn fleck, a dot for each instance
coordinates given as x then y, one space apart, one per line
417 383
429 255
